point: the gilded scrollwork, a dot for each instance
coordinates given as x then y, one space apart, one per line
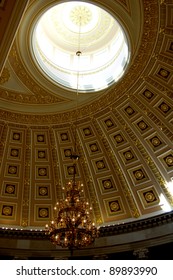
39 95
123 137
5 76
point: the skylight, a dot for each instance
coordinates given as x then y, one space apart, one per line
69 27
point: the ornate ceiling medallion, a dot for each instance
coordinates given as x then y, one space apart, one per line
80 12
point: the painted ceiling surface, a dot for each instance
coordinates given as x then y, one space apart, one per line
124 133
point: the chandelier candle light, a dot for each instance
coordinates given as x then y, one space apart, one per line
72 226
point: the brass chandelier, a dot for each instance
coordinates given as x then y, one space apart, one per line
71 226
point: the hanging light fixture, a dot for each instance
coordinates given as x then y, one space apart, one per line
71 226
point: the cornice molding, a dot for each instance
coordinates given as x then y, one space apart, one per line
105 231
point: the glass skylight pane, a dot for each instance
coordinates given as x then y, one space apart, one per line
80 26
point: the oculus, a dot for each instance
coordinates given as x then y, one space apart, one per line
80 27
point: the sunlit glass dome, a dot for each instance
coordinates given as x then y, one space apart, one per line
75 26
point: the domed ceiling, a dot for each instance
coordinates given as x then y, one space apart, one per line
124 129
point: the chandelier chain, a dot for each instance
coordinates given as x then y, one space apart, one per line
72 226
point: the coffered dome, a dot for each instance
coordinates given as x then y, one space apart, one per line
124 114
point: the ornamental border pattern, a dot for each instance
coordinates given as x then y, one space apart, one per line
148 43
104 231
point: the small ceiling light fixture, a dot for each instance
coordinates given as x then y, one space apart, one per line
72 226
